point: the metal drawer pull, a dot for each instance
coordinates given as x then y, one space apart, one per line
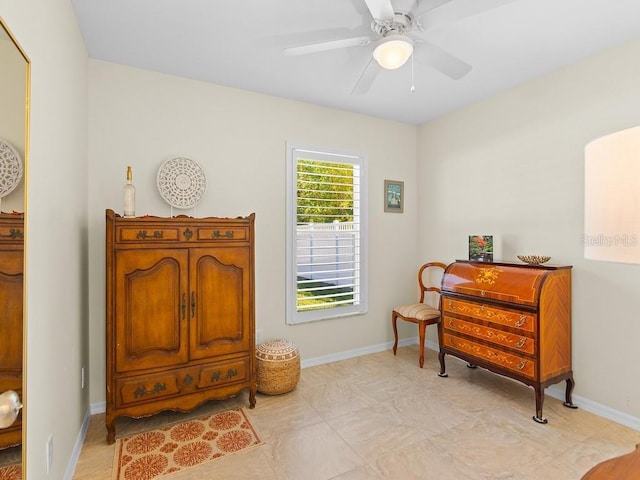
142 234
142 391
521 365
521 343
452 324
218 375
523 318
452 307
217 234
14 233
193 304
482 308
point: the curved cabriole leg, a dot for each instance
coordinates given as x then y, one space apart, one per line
539 401
111 433
443 372
252 398
421 329
394 320
567 397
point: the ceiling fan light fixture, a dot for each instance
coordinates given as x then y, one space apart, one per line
393 51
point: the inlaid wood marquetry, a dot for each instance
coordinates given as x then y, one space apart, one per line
517 341
482 311
180 313
512 319
519 364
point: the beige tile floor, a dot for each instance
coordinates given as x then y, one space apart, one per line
382 417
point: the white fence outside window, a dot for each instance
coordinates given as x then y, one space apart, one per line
328 252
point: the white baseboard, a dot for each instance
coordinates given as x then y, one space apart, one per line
77 448
98 407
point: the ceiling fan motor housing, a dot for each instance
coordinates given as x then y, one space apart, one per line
400 23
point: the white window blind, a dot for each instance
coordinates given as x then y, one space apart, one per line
326 252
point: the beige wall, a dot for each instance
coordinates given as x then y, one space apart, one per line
513 166
56 242
141 118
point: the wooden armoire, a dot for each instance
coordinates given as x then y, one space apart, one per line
11 315
180 320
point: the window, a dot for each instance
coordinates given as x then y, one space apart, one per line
326 234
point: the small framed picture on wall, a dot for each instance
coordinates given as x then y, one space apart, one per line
393 196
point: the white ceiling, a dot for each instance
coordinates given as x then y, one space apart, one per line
240 43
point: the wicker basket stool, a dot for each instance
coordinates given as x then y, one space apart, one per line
278 367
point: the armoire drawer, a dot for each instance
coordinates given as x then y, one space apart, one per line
147 233
511 318
515 341
226 233
141 388
222 373
521 365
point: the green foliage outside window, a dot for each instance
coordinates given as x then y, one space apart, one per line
325 192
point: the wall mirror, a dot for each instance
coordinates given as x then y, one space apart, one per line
14 141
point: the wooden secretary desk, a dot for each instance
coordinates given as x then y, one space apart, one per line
180 326
512 319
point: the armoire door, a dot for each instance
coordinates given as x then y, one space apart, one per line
220 297
151 306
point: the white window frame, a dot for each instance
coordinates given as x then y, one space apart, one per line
295 151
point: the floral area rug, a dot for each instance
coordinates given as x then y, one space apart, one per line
11 472
156 453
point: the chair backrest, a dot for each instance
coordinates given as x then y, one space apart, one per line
421 274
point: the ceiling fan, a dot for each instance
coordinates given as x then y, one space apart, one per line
396 37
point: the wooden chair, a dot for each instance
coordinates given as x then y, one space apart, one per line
421 313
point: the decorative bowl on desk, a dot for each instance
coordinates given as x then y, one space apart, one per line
534 259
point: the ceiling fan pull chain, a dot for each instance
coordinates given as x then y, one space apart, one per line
413 86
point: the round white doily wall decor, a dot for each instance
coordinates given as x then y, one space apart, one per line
10 168
181 182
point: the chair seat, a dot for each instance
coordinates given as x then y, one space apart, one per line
419 311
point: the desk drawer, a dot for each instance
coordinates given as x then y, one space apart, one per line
516 341
521 365
511 318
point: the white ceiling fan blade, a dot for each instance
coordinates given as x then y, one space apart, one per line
441 60
380 9
457 10
366 79
330 45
